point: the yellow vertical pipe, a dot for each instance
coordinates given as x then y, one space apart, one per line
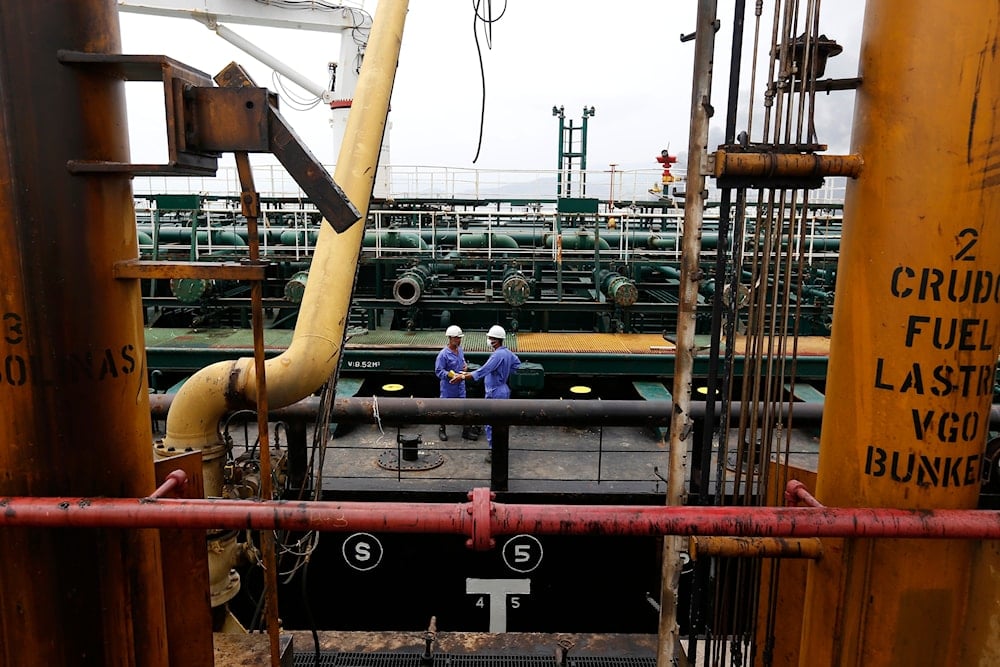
315 349
327 297
914 344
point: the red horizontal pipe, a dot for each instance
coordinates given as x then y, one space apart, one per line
747 522
481 518
211 514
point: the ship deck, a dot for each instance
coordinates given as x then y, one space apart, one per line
587 464
542 460
369 353
597 462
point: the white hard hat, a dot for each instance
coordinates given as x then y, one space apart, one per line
454 330
496 331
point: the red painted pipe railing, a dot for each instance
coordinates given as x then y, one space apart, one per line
481 519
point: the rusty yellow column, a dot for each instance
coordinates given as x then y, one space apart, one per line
916 324
74 407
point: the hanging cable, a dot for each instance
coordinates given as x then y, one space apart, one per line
768 262
291 98
487 20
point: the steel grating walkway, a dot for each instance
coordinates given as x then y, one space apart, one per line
339 659
475 341
607 343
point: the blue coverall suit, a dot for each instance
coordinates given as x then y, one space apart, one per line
450 361
495 373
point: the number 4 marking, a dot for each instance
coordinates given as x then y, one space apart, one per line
497 591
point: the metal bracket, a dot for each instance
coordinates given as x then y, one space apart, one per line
241 117
774 166
204 121
182 159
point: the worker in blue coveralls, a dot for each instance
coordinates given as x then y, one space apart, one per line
495 372
450 367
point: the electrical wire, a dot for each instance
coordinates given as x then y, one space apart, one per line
487 20
361 22
321 6
291 98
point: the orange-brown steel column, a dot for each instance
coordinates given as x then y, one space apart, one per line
74 411
915 334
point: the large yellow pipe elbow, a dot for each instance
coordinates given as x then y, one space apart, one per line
316 344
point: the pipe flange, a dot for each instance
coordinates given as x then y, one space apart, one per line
516 290
227 591
407 290
481 509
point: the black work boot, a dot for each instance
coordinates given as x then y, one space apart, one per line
442 434
469 433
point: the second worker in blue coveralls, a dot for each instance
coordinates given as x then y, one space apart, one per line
496 371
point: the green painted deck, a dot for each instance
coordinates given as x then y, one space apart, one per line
631 356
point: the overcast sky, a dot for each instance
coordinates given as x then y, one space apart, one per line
624 58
